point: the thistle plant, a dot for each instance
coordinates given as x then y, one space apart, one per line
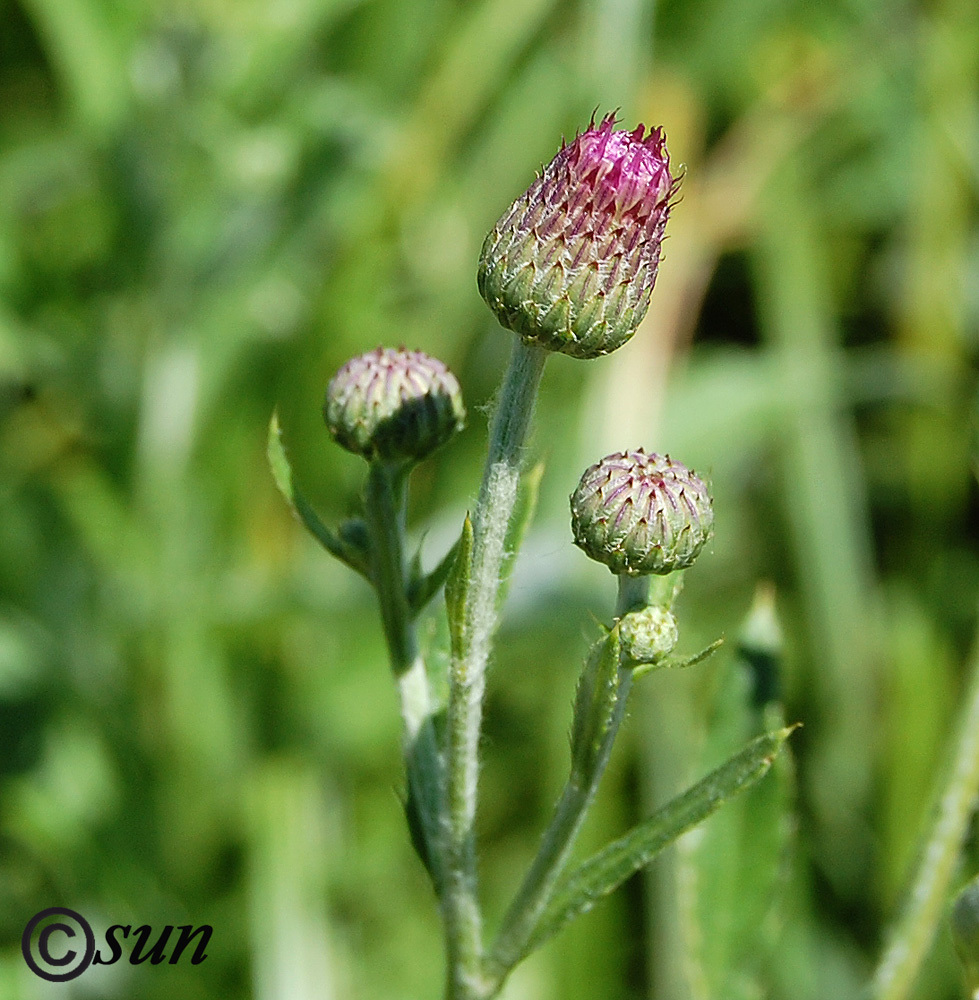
569 267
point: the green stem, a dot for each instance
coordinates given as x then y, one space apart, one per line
467 675
925 905
385 511
587 769
633 594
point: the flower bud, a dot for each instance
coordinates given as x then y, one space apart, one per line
648 635
571 264
640 513
393 405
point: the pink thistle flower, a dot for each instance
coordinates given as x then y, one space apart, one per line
572 263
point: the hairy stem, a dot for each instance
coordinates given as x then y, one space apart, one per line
587 770
633 594
467 676
385 510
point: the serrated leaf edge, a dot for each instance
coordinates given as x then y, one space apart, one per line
605 871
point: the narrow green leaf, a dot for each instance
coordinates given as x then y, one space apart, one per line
523 515
350 546
606 870
595 701
704 654
416 832
421 802
422 587
681 664
456 589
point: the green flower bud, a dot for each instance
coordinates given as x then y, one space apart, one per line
571 264
393 405
640 513
648 635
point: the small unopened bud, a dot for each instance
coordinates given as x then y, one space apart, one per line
393 405
640 513
648 635
571 264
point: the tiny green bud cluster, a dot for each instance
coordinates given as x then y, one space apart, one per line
648 635
393 405
641 514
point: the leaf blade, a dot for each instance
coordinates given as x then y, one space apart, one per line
456 590
343 548
606 870
424 586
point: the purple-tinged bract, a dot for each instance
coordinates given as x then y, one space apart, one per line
640 513
572 263
393 405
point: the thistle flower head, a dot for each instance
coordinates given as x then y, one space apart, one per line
571 264
393 405
640 513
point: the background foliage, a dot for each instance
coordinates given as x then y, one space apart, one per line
206 206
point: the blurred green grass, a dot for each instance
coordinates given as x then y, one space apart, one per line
206 207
